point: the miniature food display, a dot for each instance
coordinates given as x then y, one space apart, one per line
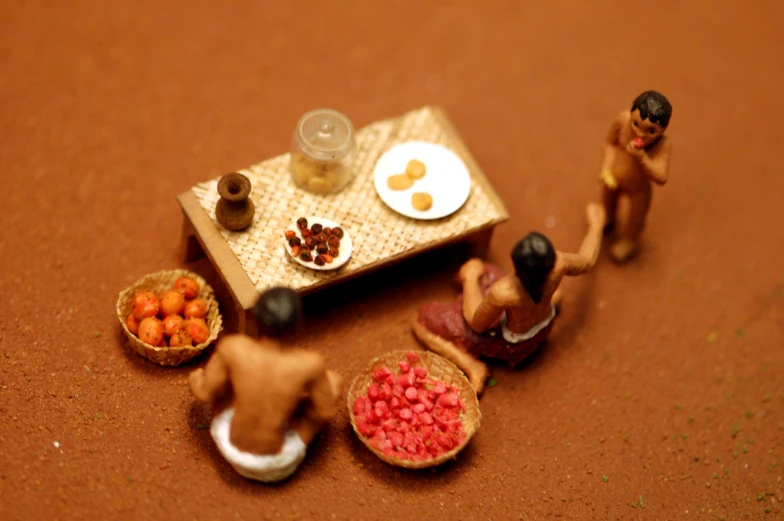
400 182
172 303
323 241
180 338
133 324
323 151
407 415
198 330
172 324
415 169
195 308
176 319
145 304
188 287
151 331
422 201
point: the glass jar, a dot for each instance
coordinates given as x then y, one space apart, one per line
322 151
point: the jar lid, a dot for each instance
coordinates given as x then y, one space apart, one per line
325 134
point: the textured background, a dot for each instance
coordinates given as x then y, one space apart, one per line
662 384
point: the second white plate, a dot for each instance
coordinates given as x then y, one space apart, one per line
447 179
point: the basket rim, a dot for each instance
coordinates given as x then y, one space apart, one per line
469 428
214 331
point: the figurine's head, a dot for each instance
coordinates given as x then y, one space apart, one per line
277 312
533 258
651 114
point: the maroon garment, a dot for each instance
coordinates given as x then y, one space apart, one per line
446 320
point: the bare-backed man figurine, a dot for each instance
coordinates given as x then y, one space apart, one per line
636 154
277 399
506 316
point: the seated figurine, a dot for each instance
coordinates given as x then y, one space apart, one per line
278 399
505 317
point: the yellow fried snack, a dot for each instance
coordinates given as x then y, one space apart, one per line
400 182
422 201
415 169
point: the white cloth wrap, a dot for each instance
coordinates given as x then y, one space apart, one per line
268 468
515 338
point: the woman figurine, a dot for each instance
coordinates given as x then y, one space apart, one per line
506 317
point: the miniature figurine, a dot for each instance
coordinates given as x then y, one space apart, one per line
506 317
235 209
278 399
636 153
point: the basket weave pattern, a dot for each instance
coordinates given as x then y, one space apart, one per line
158 283
377 232
438 368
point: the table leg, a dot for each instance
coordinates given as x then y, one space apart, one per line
246 322
479 243
189 244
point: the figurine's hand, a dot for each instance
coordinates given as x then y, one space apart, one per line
472 269
634 151
196 382
335 382
609 179
596 215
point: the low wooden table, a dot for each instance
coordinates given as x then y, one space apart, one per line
253 260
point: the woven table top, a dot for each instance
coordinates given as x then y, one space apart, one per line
378 233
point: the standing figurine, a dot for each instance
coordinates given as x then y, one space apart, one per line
506 317
636 153
269 402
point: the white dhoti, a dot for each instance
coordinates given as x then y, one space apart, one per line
267 468
516 338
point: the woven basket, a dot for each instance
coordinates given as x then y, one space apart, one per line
438 368
158 283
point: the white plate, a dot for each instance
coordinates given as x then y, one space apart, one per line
446 179
345 244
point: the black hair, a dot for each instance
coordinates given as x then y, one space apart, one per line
654 107
277 312
533 258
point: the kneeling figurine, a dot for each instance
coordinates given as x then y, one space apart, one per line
269 402
506 317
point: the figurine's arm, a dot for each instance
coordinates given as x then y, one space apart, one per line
582 261
323 405
656 163
486 313
209 383
480 312
469 276
610 148
611 143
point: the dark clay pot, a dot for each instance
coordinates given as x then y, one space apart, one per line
234 209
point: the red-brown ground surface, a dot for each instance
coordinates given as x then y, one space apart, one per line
660 394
